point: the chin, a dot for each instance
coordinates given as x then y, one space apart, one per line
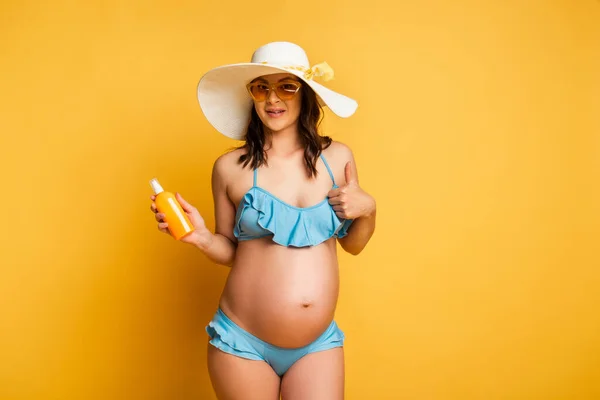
276 126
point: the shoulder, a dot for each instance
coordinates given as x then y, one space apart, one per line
228 162
226 165
338 153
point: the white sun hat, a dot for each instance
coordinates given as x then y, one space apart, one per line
225 101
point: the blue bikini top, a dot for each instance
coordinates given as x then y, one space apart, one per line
261 214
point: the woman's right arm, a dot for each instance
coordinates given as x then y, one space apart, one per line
220 247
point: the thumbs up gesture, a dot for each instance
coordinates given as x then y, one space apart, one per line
350 201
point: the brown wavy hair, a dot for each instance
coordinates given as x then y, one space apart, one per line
310 118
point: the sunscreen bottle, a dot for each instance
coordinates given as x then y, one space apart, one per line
178 223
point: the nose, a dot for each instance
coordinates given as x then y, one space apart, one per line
272 97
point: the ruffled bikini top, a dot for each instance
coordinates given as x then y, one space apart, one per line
261 214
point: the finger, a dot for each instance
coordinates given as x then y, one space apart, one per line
162 225
350 173
334 193
153 207
153 197
341 215
160 217
339 208
187 207
335 200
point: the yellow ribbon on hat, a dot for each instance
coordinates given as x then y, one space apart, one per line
322 70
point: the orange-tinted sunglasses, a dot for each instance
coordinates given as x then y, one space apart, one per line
285 90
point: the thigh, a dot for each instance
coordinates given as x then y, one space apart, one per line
316 376
235 378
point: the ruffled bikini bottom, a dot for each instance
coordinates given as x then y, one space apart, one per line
229 337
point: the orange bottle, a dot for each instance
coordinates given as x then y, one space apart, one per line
178 223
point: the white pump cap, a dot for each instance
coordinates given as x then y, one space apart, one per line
156 186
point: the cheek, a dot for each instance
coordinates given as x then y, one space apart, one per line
294 108
261 112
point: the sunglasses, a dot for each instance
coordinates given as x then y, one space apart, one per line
285 90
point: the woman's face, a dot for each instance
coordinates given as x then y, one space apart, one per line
275 112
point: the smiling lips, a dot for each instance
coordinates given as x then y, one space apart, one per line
275 112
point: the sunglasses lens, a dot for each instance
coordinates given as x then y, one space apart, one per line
287 90
259 91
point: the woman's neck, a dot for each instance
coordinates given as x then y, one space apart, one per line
284 143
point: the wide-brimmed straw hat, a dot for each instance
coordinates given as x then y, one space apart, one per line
227 105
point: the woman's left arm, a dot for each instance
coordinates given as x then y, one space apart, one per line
350 201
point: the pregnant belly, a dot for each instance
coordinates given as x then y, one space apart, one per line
284 296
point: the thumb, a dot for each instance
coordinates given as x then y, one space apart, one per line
187 207
350 173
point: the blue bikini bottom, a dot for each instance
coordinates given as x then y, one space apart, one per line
229 337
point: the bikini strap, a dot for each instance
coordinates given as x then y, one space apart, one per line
255 173
328 169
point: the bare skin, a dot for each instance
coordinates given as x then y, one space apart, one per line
285 296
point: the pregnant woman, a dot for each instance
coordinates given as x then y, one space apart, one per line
282 200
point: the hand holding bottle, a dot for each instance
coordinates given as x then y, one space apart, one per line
177 217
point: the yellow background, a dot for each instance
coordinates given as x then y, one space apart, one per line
477 132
